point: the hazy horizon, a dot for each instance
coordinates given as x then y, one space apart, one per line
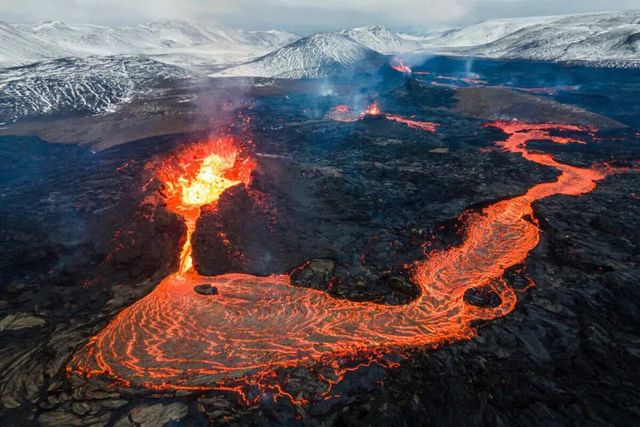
301 16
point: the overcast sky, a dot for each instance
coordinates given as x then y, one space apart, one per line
302 16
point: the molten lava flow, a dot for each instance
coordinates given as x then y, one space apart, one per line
413 124
196 177
176 339
343 113
374 110
399 65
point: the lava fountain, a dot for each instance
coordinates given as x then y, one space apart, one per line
372 110
175 338
196 177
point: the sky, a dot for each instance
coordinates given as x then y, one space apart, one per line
302 16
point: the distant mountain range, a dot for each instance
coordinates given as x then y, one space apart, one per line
609 39
91 85
323 55
602 39
168 41
58 68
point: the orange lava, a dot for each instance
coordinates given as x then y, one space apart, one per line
196 177
344 113
373 109
413 124
399 65
176 339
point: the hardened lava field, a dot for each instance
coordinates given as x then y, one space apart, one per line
375 255
176 338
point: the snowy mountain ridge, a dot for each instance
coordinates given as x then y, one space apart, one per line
326 54
90 85
314 56
58 68
381 40
19 48
607 38
167 41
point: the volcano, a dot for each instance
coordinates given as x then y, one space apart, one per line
317 55
443 246
234 337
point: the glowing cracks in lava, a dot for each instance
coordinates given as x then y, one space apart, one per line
258 326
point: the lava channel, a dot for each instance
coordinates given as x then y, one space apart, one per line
175 338
343 113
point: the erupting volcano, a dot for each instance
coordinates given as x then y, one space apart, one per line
344 113
372 110
196 177
175 338
399 65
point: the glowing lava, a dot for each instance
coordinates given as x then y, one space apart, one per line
373 109
176 339
344 113
399 65
413 124
196 177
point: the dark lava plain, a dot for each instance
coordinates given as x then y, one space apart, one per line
349 202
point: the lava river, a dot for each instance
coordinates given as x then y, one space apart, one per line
175 338
343 113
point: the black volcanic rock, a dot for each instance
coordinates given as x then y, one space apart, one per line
367 196
482 297
145 241
498 103
315 274
206 289
369 207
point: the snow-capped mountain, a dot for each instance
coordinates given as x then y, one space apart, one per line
381 40
18 48
603 39
79 85
168 41
153 37
483 32
318 55
57 68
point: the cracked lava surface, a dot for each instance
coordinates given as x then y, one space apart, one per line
175 338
